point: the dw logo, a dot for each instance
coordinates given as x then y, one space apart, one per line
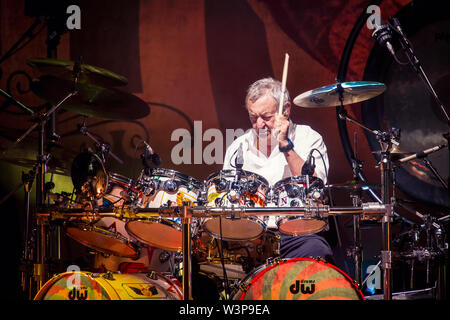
73 283
306 287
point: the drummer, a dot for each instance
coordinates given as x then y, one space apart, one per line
277 148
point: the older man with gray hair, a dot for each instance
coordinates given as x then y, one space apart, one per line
276 148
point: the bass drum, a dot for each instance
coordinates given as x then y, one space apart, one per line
110 286
298 279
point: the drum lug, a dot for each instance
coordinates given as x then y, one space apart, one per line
272 260
320 259
109 276
152 275
244 288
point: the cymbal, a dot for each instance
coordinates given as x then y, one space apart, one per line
328 96
88 74
353 185
24 155
91 100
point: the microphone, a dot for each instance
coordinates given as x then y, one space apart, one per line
382 34
309 165
149 154
239 160
422 154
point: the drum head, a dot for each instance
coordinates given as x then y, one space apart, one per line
102 240
298 226
239 229
160 233
298 279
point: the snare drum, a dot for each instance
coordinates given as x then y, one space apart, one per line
298 191
228 188
297 279
163 187
110 286
239 257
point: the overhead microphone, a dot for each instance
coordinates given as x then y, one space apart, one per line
382 34
422 154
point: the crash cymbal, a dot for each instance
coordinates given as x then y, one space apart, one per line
88 74
328 96
353 185
91 100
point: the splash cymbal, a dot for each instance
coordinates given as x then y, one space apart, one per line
328 96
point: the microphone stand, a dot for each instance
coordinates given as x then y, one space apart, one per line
415 63
386 140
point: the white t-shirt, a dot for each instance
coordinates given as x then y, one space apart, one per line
275 167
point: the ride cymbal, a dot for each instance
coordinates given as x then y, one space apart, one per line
328 96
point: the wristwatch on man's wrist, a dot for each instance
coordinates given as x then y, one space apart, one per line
290 146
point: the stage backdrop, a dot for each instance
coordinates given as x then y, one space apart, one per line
190 62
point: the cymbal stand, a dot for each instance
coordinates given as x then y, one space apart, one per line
356 250
40 121
102 148
416 65
186 220
386 140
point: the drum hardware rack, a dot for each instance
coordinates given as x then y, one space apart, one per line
187 212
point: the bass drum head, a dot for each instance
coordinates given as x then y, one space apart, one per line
298 279
91 286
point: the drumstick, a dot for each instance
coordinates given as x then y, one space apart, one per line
283 84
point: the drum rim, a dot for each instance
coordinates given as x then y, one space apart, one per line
295 179
258 221
244 283
170 173
282 220
233 171
113 235
121 178
159 220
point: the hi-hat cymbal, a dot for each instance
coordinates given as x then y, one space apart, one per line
88 74
91 100
328 96
353 185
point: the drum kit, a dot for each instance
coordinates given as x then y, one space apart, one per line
229 224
